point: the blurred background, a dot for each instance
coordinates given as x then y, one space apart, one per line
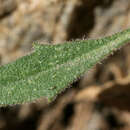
100 100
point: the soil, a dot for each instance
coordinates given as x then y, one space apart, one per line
99 100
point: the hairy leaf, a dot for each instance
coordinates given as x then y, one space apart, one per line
50 68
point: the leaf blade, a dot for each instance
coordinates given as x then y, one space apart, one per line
50 68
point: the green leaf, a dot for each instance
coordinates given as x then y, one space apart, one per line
51 68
